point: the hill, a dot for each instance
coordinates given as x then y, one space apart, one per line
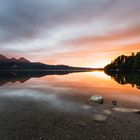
12 64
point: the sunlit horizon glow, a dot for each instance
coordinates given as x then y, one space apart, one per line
87 33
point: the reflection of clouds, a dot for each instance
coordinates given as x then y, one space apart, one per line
80 87
53 100
125 110
85 107
95 112
70 95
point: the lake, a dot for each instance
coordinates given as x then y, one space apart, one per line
72 88
23 98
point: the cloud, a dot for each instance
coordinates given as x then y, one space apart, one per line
127 34
29 18
41 29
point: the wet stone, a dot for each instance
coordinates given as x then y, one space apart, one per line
96 99
114 102
82 124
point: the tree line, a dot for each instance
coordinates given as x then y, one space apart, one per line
127 63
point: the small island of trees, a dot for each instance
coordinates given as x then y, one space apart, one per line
125 63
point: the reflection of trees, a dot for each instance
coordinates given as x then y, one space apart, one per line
132 78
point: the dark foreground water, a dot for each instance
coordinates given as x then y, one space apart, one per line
34 106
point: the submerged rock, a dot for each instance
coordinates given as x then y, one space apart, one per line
41 138
114 102
82 124
97 99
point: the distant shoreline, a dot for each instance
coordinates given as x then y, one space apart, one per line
121 70
56 70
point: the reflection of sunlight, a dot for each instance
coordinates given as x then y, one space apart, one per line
99 74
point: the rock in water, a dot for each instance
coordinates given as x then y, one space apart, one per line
97 99
82 124
114 102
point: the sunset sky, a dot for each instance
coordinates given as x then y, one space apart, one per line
73 32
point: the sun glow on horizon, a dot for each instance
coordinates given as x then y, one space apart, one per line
99 64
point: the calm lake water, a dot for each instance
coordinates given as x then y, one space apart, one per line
68 92
42 105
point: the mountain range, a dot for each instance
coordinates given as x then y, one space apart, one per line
12 64
5 59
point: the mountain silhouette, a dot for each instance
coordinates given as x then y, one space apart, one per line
3 58
22 59
12 64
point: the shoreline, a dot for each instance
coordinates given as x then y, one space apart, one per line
37 120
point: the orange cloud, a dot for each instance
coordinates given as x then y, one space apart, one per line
92 56
113 36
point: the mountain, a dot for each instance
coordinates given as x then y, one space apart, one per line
5 59
12 64
13 59
22 59
2 58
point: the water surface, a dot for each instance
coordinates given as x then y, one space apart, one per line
69 91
